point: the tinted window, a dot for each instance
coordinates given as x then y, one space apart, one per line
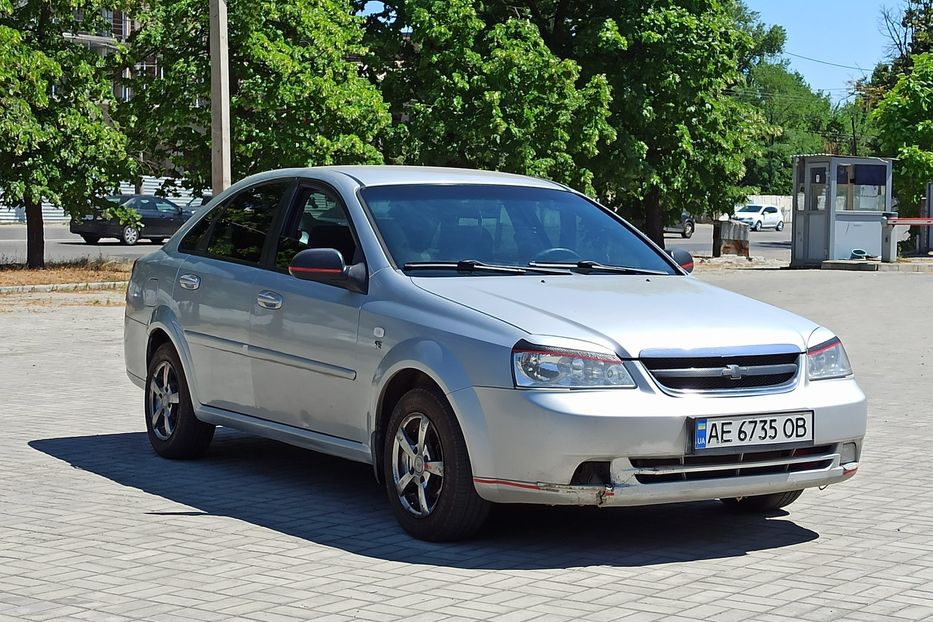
506 225
319 222
166 207
146 204
192 240
242 226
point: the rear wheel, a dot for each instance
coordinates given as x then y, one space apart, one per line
129 235
173 429
762 503
779 226
427 470
687 233
90 239
157 240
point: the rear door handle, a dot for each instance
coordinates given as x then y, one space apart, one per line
269 300
189 281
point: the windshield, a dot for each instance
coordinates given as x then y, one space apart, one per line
502 225
751 208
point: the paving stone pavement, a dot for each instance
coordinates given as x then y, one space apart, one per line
94 527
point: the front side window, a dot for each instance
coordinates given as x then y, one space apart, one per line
318 222
166 207
502 225
241 229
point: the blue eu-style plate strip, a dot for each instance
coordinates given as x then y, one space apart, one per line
700 441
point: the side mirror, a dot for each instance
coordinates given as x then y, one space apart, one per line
682 257
325 265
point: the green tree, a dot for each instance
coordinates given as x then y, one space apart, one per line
681 138
56 142
494 98
296 94
905 129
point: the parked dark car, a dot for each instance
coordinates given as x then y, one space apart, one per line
160 219
685 227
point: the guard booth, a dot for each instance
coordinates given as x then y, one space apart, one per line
839 204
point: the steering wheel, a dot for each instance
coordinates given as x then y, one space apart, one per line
557 254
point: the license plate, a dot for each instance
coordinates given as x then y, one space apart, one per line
751 430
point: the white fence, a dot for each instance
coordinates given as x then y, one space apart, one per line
52 213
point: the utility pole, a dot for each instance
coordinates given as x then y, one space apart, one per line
220 99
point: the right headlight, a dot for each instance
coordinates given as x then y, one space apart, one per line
828 360
544 367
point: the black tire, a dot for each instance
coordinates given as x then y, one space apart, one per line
188 437
757 226
687 233
129 235
459 512
762 503
90 239
779 226
157 240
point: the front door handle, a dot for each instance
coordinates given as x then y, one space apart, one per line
189 281
269 300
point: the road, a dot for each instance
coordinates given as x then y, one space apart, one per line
93 526
768 244
61 245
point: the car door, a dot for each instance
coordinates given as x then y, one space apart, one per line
215 292
170 216
304 336
153 226
770 219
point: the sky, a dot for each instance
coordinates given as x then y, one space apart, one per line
843 32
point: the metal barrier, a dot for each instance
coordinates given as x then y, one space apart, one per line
889 241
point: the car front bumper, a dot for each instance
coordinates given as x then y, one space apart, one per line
526 446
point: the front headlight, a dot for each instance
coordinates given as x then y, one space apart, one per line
828 360
543 367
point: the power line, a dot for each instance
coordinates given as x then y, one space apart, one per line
825 62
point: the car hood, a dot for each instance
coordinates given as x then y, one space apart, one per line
630 314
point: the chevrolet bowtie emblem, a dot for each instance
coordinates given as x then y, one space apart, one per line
735 372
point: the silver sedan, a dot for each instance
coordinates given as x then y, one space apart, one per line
480 338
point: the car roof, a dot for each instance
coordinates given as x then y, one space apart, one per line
390 175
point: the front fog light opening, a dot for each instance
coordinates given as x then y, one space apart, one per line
848 454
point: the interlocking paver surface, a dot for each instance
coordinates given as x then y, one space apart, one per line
93 526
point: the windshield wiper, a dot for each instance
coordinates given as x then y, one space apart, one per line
588 266
473 265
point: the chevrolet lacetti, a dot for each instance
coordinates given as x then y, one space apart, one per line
480 338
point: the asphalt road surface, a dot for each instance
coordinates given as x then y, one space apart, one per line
769 244
62 245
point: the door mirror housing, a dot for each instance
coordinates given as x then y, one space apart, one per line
682 257
326 265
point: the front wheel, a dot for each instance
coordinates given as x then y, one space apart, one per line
762 503
173 429
779 226
757 226
129 236
427 470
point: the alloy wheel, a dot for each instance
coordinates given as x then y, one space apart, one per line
163 401
417 465
130 235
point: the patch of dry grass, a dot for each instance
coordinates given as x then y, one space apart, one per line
52 301
77 271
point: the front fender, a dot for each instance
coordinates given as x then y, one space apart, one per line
441 365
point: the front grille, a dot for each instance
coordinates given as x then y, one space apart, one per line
692 468
723 373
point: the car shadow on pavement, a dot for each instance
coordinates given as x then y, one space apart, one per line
338 503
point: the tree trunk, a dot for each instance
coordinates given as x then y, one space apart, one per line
654 217
35 235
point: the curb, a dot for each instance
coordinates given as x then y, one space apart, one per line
62 287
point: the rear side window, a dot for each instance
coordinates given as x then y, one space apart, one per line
241 228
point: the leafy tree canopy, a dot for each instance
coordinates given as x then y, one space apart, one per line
296 94
905 129
56 142
494 98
